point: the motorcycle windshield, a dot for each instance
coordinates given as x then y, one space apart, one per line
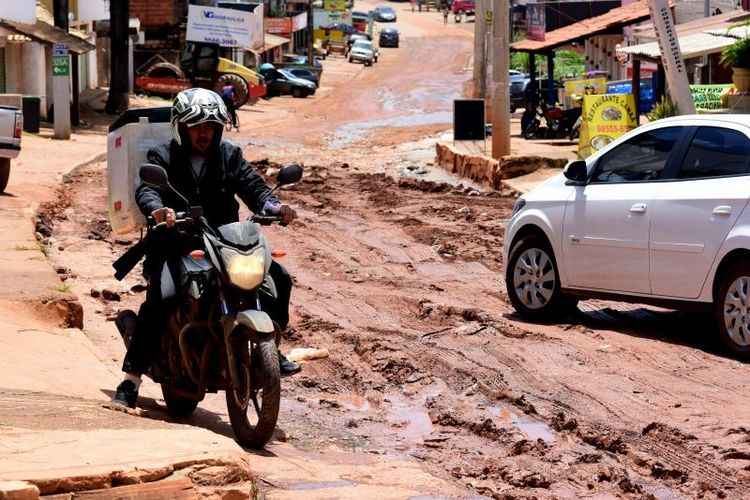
240 234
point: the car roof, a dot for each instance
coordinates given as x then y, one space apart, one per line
687 120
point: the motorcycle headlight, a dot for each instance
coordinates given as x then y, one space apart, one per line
245 271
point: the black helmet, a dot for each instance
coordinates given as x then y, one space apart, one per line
194 106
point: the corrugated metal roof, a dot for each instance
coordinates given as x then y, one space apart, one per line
736 32
700 25
615 18
695 45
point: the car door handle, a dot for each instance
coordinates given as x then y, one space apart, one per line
638 208
723 210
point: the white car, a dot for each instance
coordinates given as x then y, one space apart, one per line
362 54
11 125
659 216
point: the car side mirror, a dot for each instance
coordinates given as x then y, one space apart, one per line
154 175
577 173
289 174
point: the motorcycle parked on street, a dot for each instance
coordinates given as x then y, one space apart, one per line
558 122
217 337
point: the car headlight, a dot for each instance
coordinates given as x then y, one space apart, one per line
245 271
520 203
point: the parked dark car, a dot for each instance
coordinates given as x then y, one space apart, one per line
384 14
389 37
283 82
305 74
518 83
296 59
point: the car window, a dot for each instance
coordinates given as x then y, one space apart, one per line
716 152
641 158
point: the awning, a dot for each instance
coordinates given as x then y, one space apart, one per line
270 42
645 32
45 31
735 33
612 20
691 46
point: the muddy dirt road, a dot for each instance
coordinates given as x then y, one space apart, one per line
400 278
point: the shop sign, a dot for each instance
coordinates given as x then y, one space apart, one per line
605 118
226 27
707 97
585 86
671 55
334 5
299 22
535 22
60 66
279 25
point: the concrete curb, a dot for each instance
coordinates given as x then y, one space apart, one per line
488 171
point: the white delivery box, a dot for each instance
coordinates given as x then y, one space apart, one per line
129 139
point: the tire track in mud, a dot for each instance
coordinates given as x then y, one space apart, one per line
498 373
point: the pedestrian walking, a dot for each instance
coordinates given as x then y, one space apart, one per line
445 16
227 95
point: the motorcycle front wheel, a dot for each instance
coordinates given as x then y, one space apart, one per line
259 395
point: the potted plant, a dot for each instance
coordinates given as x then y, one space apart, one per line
737 56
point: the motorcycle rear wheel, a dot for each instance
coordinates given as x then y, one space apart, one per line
261 378
177 406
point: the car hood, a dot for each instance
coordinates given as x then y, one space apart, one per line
361 51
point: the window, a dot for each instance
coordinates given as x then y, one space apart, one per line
641 158
716 152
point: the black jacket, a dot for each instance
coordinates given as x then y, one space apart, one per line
227 174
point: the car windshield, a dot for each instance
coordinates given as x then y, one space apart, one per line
385 10
363 44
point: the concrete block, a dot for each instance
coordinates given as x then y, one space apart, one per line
18 490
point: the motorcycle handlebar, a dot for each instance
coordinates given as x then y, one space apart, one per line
266 220
180 218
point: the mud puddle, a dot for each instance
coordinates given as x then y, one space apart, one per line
353 132
322 485
531 428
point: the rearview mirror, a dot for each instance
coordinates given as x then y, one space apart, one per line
289 175
154 175
576 172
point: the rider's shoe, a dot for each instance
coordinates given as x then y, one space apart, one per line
287 367
126 394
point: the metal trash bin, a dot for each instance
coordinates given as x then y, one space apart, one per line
31 113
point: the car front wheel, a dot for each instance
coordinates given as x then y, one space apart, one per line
533 281
732 309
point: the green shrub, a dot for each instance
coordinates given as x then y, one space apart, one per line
737 55
663 109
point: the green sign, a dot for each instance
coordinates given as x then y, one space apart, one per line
708 96
60 66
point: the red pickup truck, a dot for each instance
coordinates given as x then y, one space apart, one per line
462 7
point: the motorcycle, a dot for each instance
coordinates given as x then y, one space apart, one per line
558 122
217 337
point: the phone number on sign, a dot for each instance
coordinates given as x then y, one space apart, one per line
224 42
608 129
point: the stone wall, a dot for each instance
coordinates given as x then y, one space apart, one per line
488 171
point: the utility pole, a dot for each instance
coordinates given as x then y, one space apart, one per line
500 90
61 75
310 37
119 16
480 60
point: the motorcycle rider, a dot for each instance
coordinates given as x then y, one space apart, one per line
209 172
